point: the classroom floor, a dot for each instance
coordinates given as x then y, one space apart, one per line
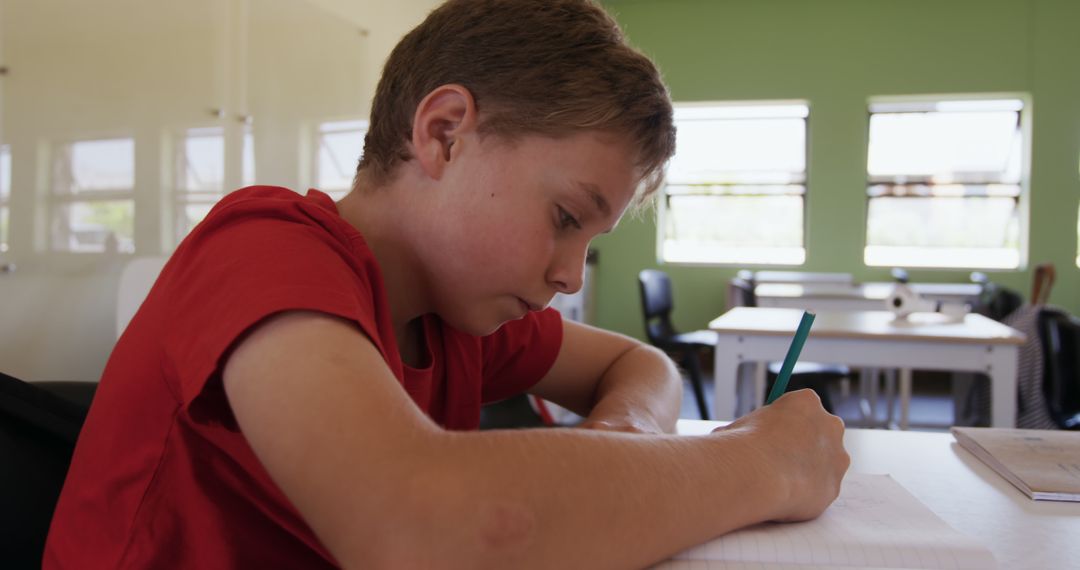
931 404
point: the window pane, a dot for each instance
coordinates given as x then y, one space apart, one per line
5 173
340 146
247 177
201 161
939 221
944 184
86 226
736 185
88 166
941 227
946 146
4 228
739 151
734 229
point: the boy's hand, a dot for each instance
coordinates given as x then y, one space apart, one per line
802 451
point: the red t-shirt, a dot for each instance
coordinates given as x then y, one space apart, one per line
162 477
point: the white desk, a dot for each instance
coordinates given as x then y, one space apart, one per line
803 277
965 493
819 296
871 339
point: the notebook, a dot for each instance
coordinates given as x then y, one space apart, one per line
1044 464
874 524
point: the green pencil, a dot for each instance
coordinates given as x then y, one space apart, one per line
780 386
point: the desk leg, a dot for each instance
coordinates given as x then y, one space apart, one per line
905 396
1003 386
725 385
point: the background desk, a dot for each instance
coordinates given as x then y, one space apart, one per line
965 493
821 296
869 338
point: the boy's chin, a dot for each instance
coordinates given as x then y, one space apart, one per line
479 328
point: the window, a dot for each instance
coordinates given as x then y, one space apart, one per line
736 186
5 196
92 202
200 176
945 184
200 173
339 147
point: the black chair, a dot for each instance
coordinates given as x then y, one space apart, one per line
811 375
995 301
686 348
1060 336
38 430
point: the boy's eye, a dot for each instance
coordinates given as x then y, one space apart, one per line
566 220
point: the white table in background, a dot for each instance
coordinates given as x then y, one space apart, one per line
973 499
803 277
927 341
819 296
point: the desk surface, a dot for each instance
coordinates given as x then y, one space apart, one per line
964 492
867 324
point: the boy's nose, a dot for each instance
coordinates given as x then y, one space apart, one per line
567 272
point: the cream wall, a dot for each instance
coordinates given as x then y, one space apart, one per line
147 69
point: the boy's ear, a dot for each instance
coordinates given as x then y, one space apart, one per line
442 117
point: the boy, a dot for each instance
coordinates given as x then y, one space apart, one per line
296 388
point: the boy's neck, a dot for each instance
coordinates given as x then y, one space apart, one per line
373 213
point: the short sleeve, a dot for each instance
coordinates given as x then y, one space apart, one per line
236 273
520 353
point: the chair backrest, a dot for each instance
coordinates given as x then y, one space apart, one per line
656 305
1060 335
997 302
38 430
741 290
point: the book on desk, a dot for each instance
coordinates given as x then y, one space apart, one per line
1044 464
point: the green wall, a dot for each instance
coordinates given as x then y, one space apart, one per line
836 54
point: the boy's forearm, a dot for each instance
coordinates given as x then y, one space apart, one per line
640 391
548 498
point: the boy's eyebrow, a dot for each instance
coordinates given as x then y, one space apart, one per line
593 192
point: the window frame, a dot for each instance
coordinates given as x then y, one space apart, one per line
663 196
926 103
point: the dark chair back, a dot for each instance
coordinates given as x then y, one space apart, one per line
1060 335
741 290
656 304
38 430
998 302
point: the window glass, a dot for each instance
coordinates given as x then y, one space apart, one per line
201 161
95 165
5 195
735 191
944 184
247 177
5 172
89 226
92 204
340 145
